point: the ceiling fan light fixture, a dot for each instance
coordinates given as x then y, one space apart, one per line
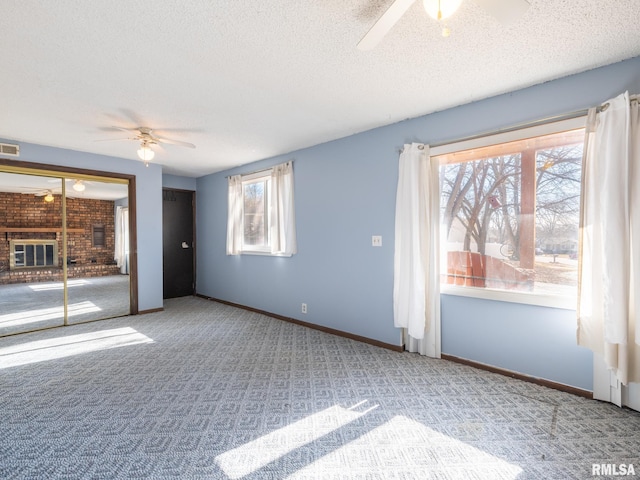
441 9
78 186
146 154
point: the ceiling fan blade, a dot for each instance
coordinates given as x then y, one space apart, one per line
384 24
115 139
174 142
505 11
126 129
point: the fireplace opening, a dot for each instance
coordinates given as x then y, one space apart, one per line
33 253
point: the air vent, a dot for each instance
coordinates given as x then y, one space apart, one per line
9 149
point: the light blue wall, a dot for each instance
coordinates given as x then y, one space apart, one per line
537 341
341 200
178 182
148 203
345 192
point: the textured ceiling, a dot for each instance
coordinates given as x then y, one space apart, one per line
40 186
246 80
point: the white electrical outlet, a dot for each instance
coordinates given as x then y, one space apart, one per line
376 240
304 308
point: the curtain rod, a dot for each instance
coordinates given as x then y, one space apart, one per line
259 171
556 118
251 173
519 126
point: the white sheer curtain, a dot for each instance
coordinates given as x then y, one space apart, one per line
282 221
416 283
609 276
121 255
234 218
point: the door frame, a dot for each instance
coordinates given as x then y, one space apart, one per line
194 241
59 171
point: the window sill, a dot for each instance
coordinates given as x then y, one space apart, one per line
526 298
263 253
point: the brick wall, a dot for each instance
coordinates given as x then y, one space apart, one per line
18 210
41 274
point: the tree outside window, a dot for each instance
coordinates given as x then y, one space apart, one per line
510 214
255 213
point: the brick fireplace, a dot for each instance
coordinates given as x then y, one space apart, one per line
90 236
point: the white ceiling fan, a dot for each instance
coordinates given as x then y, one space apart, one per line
46 193
505 11
77 191
78 185
147 138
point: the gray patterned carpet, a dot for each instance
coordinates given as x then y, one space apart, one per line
204 390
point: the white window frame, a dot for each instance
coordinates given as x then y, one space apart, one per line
280 210
529 298
264 176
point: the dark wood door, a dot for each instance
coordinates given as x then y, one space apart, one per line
178 243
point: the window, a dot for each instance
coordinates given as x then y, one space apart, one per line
510 212
261 216
33 253
255 213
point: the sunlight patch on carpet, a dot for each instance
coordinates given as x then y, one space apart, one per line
405 445
254 455
69 345
43 314
39 287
